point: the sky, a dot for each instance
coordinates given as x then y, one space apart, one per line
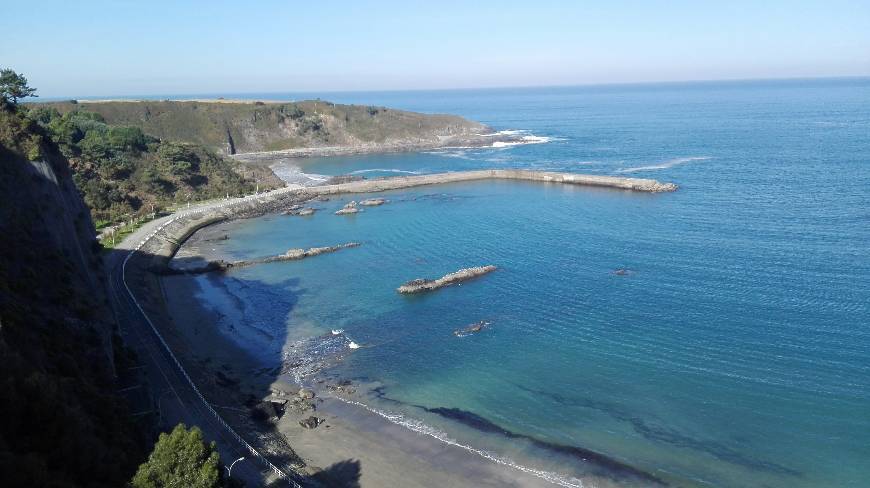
125 48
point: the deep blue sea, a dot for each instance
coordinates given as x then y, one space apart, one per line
734 352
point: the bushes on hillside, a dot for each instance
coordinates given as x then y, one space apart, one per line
122 172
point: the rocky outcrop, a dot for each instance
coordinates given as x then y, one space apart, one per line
423 285
348 209
373 202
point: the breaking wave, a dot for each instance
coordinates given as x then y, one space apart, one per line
384 170
665 165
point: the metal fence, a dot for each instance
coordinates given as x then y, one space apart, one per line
187 377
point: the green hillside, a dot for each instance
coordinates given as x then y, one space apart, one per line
238 127
122 171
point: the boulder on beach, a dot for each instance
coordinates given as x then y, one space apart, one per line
306 394
311 422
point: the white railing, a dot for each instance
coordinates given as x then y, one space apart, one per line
150 236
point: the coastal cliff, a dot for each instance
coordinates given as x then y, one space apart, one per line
295 129
59 357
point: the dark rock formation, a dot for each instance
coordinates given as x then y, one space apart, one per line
471 329
311 422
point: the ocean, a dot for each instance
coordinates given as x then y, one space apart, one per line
715 336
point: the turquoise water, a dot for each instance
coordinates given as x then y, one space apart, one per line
736 352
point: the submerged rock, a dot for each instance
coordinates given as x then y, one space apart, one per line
623 272
373 202
471 329
349 208
299 210
421 285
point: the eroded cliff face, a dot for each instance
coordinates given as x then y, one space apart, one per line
59 416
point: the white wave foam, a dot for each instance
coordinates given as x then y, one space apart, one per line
667 164
293 175
337 331
523 141
383 170
421 428
353 345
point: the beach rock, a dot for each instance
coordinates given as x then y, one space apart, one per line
306 394
311 422
306 211
373 202
349 208
421 285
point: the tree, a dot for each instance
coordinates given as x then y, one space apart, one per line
13 86
181 458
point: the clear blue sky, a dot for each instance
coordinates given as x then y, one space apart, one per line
107 48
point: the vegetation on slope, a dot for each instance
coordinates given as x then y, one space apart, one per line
122 172
238 127
61 423
180 458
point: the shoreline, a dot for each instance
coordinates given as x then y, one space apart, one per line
356 426
483 140
161 248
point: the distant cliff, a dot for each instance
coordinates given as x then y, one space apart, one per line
243 127
61 423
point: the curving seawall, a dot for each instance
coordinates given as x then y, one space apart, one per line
396 182
163 245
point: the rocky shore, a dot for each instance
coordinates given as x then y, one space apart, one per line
422 285
483 139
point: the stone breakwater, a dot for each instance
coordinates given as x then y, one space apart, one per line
290 255
421 285
164 244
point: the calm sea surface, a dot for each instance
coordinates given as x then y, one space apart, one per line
735 352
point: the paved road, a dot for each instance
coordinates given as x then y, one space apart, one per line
177 402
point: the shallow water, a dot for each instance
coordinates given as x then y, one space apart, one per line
733 353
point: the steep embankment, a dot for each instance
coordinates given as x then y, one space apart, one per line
244 127
61 423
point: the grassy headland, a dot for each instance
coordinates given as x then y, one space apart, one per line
123 172
240 127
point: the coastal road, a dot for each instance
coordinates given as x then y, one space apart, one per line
176 400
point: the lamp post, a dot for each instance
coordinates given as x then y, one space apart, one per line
230 469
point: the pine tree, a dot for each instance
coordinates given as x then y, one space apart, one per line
181 458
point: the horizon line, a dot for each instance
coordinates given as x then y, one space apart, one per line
178 96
